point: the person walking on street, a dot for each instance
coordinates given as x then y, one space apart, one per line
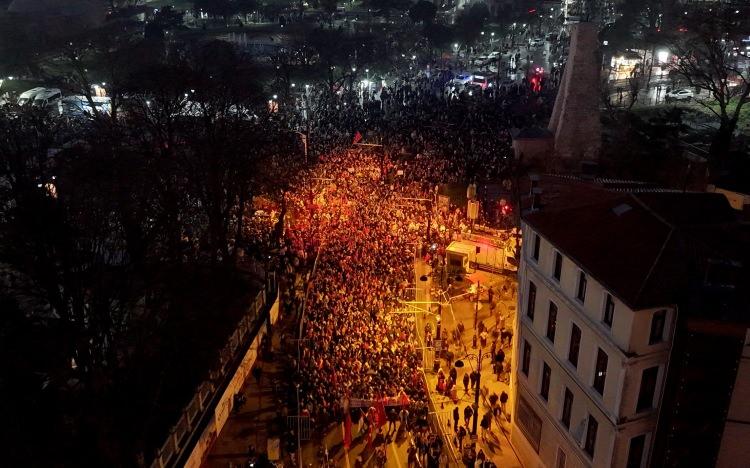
468 413
461 435
392 418
466 383
474 377
403 416
484 425
455 419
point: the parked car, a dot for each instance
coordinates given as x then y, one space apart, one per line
47 97
536 42
462 78
483 80
679 95
473 89
27 97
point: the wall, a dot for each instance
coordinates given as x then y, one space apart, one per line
224 406
734 441
575 116
615 410
533 149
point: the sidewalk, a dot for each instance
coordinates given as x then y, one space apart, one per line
496 443
261 416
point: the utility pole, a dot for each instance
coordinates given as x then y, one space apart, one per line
476 306
476 392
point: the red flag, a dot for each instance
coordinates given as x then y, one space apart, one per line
347 431
381 413
368 436
357 138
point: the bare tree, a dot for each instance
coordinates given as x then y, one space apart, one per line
707 59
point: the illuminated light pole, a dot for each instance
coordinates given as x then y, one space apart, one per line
479 357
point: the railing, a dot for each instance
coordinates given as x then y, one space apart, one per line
189 422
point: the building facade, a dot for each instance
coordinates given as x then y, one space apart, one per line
588 374
605 305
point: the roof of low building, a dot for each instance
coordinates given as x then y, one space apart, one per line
531 133
645 248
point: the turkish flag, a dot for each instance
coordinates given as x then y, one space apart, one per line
357 138
347 430
368 436
381 413
403 399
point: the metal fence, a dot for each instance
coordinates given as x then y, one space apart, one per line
304 426
181 433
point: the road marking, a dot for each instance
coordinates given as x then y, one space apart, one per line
395 452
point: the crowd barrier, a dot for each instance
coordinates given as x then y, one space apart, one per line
210 405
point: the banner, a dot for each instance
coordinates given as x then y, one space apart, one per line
348 431
387 401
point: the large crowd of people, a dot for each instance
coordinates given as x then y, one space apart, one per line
355 345
463 133
357 218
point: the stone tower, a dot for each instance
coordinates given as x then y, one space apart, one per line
575 120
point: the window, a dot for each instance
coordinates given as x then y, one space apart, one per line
561 458
591 429
635 452
648 387
529 423
531 305
600 373
552 321
575 345
567 408
535 250
657 326
609 310
581 293
546 373
526 358
558 266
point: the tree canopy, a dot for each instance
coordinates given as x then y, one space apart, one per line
423 12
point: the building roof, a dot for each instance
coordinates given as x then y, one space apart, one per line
644 248
531 133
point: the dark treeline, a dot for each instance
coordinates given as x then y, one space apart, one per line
119 232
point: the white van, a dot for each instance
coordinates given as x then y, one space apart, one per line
27 97
48 97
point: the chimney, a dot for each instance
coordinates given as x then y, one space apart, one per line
536 199
534 178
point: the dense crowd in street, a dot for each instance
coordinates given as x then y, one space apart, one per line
355 345
458 133
359 217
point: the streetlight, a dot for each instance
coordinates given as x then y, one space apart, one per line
479 357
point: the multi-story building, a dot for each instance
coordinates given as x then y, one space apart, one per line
611 287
